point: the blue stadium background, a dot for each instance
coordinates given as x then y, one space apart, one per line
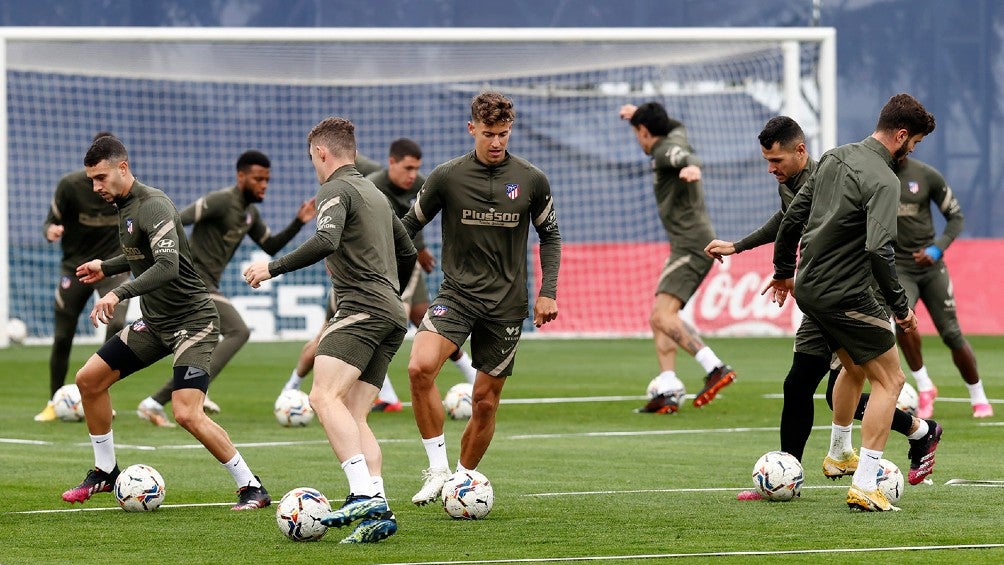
947 54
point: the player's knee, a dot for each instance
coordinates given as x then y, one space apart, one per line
239 333
187 414
953 339
421 373
485 407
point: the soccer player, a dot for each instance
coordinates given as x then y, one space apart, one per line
85 227
179 319
783 145
219 221
369 256
925 277
401 181
679 196
848 206
489 198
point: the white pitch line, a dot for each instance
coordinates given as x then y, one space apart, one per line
664 490
103 508
940 398
24 441
708 554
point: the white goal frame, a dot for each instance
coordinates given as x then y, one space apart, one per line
789 37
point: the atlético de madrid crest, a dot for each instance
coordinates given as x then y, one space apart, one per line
914 187
129 225
512 191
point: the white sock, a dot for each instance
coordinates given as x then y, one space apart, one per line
667 382
378 487
387 393
707 358
293 382
461 468
923 381
840 441
435 448
868 468
104 451
241 472
150 403
465 366
921 431
976 394
360 482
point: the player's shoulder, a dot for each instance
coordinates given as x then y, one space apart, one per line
74 180
525 167
919 168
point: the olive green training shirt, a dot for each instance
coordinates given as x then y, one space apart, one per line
681 203
155 249
487 211
920 186
787 190
89 223
366 249
400 200
848 211
221 220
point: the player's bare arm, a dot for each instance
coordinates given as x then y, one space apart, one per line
544 310
718 249
908 324
922 258
257 273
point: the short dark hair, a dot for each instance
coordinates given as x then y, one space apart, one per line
108 148
782 130
491 107
404 147
101 134
903 111
250 158
653 116
338 135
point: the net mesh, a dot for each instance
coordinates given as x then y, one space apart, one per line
186 111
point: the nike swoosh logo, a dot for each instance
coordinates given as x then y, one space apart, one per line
441 444
194 373
101 441
157 225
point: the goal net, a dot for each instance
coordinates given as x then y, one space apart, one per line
187 102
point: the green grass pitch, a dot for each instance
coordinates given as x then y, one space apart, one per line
574 480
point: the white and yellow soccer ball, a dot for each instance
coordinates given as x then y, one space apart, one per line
292 408
299 514
459 401
67 404
778 476
890 481
468 495
908 399
677 390
139 488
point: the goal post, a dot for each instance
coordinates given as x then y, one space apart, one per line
187 101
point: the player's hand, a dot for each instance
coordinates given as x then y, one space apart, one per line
690 173
54 232
544 310
426 260
307 210
908 324
627 111
779 290
257 273
104 309
922 259
90 272
718 249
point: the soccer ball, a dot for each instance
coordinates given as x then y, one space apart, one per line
777 475
908 399
139 488
890 480
300 512
17 330
459 400
468 495
67 404
677 391
292 408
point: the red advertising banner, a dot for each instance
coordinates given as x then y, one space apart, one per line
606 288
